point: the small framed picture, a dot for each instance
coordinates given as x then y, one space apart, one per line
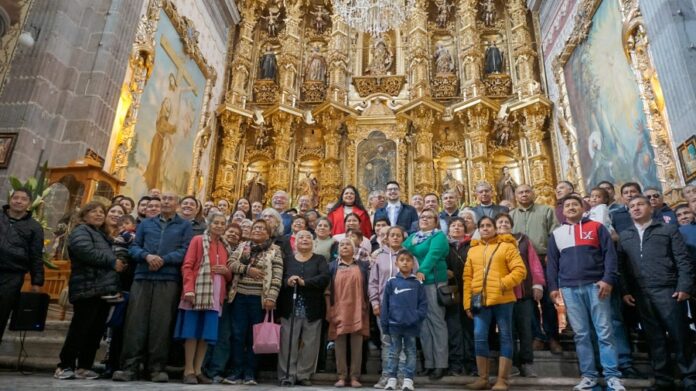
7 144
687 157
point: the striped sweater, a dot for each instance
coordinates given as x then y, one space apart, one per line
269 261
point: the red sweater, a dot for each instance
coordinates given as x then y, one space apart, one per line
336 218
192 264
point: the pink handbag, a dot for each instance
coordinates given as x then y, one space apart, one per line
267 336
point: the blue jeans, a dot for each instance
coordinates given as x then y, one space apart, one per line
408 345
246 312
482 323
623 348
386 348
217 356
585 310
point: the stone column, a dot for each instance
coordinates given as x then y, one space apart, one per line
282 138
419 55
523 54
243 64
539 163
471 52
338 60
289 58
228 161
424 177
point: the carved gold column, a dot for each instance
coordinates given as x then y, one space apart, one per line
539 164
351 145
329 182
243 65
141 64
477 120
338 60
424 169
418 56
282 138
289 58
228 163
523 54
8 41
471 52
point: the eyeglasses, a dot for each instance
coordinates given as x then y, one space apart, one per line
656 195
258 228
392 189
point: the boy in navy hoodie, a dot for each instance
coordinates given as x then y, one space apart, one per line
582 264
403 309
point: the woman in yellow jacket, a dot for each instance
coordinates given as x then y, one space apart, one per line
493 268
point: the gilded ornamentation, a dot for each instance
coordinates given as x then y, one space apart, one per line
368 85
313 91
445 86
265 91
498 85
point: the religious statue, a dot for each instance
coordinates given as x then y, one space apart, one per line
316 70
443 9
262 136
488 13
255 189
378 170
443 60
506 186
382 57
319 21
454 185
309 186
502 132
269 65
272 23
494 60
450 135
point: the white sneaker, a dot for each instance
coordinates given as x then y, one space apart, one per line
391 384
381 383
86 374
615 384
408 385
64 374
586 384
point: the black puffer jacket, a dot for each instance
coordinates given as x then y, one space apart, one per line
661 260
21 246
92 264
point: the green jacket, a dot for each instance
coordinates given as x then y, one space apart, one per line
536 222
431 255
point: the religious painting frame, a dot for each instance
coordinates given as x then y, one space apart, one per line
7 145
616 134
166 122
687 158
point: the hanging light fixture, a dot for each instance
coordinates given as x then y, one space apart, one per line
373 16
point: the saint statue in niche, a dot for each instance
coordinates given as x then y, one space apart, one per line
255 189
319 21
262 136
488 13
269 65
316 70
452 184
443 9
309 186
494 59
443 60
382 57
506 186
272 23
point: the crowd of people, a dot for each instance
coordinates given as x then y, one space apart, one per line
459 282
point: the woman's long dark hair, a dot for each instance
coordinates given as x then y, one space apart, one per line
358 201
247 213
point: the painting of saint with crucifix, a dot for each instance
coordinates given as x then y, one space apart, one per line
168 118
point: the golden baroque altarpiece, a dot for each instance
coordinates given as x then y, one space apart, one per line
451 98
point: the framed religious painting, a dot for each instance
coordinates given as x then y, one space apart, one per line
609 124
7 144
156 145
687 157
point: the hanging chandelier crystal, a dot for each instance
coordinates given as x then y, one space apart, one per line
373 16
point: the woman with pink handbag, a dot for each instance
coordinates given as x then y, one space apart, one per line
257 266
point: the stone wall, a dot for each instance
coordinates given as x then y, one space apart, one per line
61 94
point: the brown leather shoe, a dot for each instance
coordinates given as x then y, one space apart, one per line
538 345
203 379
190 379
355 383
554 346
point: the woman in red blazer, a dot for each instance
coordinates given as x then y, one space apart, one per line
349 202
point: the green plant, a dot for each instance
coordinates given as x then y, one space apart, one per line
39 190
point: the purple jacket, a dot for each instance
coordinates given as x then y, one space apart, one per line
383 268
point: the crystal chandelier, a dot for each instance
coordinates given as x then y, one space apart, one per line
373 16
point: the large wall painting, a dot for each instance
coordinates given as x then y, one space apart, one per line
376 162
607 111
168 119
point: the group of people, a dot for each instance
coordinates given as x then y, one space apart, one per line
171 268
